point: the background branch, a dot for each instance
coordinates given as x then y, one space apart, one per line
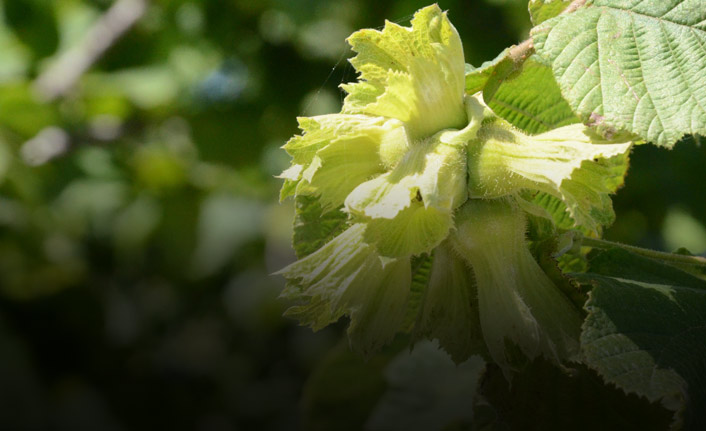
61 76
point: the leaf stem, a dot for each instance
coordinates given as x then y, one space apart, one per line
659 255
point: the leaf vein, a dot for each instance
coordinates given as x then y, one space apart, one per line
598 55
691 93
523 112
647 89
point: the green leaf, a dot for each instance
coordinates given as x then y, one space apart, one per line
415 74
489 75
313 227
532 101
546 206
646 332
542 10
638 67
620 263
427 391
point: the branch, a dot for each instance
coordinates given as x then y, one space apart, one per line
521 52
681 259
61 76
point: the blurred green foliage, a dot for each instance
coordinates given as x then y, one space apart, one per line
138 213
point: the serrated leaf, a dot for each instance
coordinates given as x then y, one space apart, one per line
542 10
556 208
638 67
612 264
532 101
427 391
314 227
646 332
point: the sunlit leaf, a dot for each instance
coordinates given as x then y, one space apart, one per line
632 66
532 100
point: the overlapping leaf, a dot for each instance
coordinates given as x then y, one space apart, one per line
542 10
489 75
532 101
633 66
646 332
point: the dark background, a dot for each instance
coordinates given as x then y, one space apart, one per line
139 219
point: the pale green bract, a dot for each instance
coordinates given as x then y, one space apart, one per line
347 276
337 153
519 303
421 168
409 210
567 163
416 74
